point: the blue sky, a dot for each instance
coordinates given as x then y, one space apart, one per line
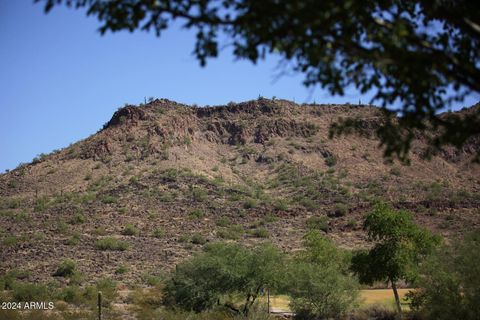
61 81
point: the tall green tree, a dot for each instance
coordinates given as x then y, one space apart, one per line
320 283
221 270
399 245
450 282
408 53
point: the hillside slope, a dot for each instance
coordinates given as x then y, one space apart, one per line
165 177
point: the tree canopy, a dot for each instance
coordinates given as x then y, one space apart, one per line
225 269
399 247
419 55
319 281
450 285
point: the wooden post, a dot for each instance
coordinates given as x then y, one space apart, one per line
99 305
268 300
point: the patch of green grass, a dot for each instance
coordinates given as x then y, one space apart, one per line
351 223
10 203
260 233
198 239
74 239
109 199
13 240
152 280
12 184
199 194
317 223
112 244
100 231
269 218
340 210
30 292
41 204
168 196
223 222
184 238
158 233
281 204
62 227
77 218
331 160
121 269
250 203
196 214
232 233
130 230
187 141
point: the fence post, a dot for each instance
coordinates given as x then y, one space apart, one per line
99 305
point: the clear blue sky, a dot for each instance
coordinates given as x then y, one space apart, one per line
60 80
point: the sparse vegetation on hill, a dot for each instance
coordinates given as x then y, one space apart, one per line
235 181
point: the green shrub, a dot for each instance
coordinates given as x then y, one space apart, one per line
198 239
167 196
72 294
222 270
281 204
269 218
41 204
121 269
12 184
319 281
158 233
199 194
122 210
233 232
107 286
109 199
187 141
308 203
340 210
351 223
10 241
184 238
223 222
78 218
331 160
66 268
260 233
62 227
318 223
450 281
30 292
196 214
153 280
130 230
250 203
8 280
110 243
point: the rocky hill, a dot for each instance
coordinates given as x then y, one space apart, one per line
162 179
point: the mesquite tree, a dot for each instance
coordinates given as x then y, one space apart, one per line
399 247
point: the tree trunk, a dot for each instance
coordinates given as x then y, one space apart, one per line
397 299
